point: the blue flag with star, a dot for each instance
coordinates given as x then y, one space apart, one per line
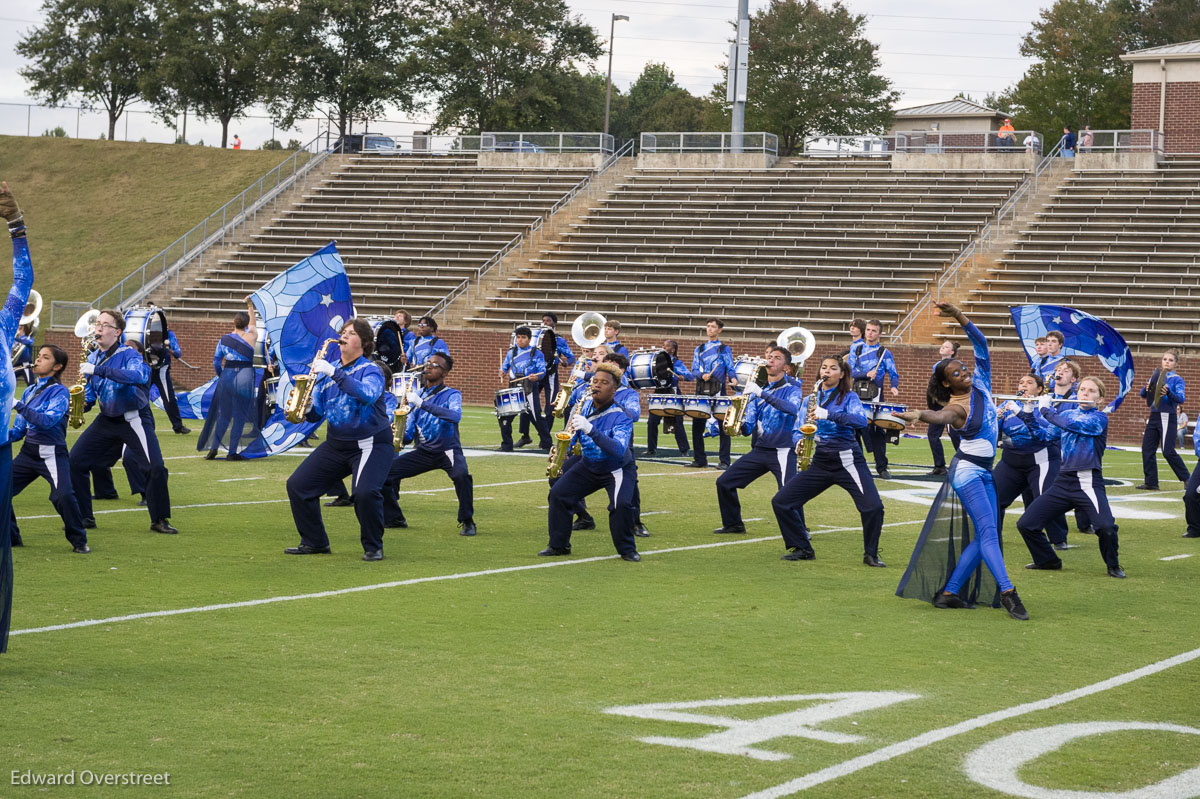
1083 334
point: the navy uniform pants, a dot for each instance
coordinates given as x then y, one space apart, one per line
51 462
1080 490
366 461
584 479
1161 434
102 476
161 377
846 468
581 506
698 452
419 461
935 443
1191 502
652 432
543 401
94 448
1028 475
748 468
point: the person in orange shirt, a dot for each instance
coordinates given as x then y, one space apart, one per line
237 143
1007 131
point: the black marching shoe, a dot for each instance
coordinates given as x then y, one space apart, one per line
162 526
695 465
554 552
1145 487
142 502
89 523
796 553
396 524
640 530
211 455
305 549
1048 566
722 466
235 456
82 549
584 523
467 528
650 453
373 554
873 560
948 601
1012 603
632 557
339 502
884 474
1061 546
17 542
1190 534
730 528
523 441
106 496
938 470
1116 571
182 431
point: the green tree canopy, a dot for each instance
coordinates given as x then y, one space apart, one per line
98 50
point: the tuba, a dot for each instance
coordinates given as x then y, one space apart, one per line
732 423
808 444
799 341
586 331
86 332
299 399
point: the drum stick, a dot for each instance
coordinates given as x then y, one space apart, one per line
185 363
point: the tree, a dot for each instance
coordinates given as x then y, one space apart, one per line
98 50
211 60
657 102
1078 78
501 64
812 71
354 56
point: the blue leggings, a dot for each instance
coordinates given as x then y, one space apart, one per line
977 491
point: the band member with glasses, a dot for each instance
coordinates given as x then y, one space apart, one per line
712 363
1163 406
424 344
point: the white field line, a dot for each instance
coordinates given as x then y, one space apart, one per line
546 564
239 479
1177 557
935 736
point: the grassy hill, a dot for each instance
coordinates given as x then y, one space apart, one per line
97 210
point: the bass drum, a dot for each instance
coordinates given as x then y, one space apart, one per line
650 369
148 327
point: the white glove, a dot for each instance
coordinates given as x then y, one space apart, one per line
323 367
88 368
753 389
583 425
1044 401
414 399
821 413
1028 407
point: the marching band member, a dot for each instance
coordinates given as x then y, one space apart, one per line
556 352
604 431
1191 495
869 365
612 329
523 365
1160 425
712 362
160 377
118 380
857 326
359 444
1080 481
837 460
23 360
433 426
394 339
967 407
1043 364
949 349
769 419
678 370
233 404
630 402
42 421
1065 378
424 344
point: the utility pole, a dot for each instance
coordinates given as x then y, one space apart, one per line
612 29
735 82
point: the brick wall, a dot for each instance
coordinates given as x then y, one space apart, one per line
1182 120
477 355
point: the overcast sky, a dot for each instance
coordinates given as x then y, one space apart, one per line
930 49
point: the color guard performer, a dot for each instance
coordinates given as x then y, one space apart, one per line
433 426
836 460
670 423
949 349
1161 422
349 395
604 432
712 362
869 365
769 419
523 365
118 379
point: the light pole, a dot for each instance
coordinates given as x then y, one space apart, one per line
612 28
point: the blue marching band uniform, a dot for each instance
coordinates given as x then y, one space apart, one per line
713 358
1029 462
160 377
520 363
1161 430
863 358
679 370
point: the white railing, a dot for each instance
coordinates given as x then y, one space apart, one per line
1120 141
611 161
936 142
861 145
215 228
418 143
709 143
535 142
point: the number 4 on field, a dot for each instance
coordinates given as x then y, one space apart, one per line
740 736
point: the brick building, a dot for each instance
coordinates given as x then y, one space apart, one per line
1166 94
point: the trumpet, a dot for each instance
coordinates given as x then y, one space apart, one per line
299 399
562 444
808 444
85 331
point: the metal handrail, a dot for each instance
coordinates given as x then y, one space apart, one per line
611 161
166 264
544 139
729 142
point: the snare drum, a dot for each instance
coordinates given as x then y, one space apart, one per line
665 404
510 401
697 406
650 369
720 406
887 418
745 367
148 327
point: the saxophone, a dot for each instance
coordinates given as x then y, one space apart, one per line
562 443
76 401
808 444
732 423
564 392
299 399
402 384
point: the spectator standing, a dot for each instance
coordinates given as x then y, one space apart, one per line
1068 143
237 143
1086 139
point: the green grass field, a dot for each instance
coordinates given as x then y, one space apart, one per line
470 667
97 210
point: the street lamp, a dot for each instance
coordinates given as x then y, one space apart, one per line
608 88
